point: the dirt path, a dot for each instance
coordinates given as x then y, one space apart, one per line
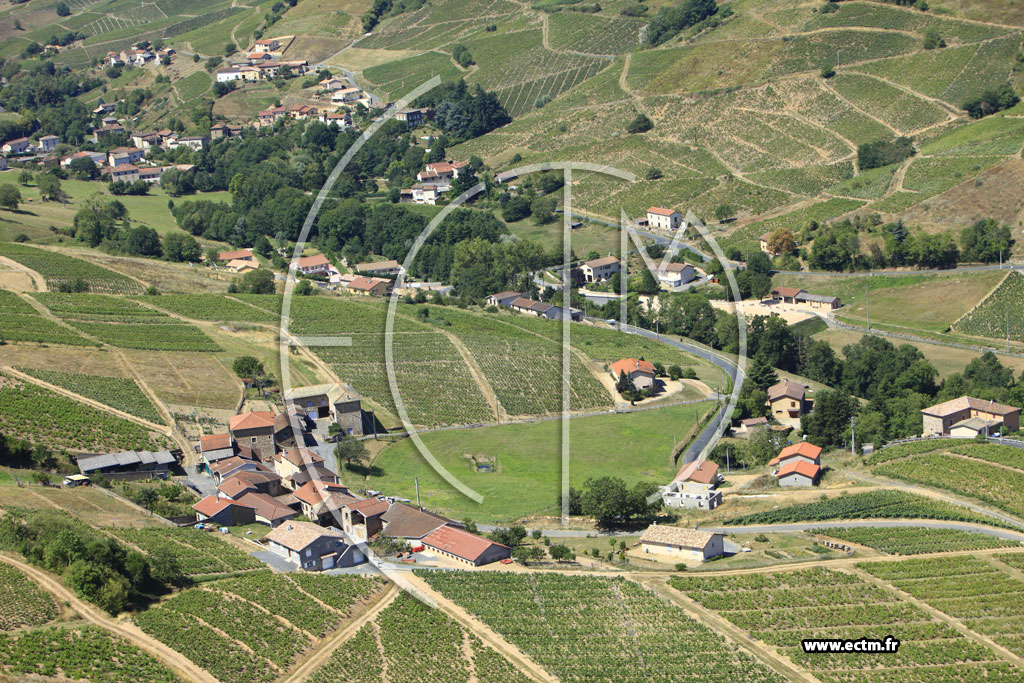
46 313
163 429
483 632
37 280
485 387
766 654
319 655
941 616
129 632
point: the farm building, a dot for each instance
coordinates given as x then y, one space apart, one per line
787 401
681 544
313 548
412 524
462 546
750 425
339 403
391 267
361 519
798 472
502 298
666 219
803 451
941 419
126 461
640 371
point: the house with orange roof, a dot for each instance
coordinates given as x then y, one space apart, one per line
323 502
639 370
695 486
371 286
805 451
362 519
798 472
666 219
314 265
236 255
256 430
224 511
293 460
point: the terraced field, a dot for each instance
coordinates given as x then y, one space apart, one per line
57 269
117 392
999 314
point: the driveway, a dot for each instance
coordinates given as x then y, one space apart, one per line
277 563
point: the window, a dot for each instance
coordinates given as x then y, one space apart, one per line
253 439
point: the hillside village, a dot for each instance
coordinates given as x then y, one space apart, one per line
487 341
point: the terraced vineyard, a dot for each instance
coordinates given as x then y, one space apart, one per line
212 307
998 312
413 642
126 323
602 625
22 602
781 609
57 268
978 592
63 423
594 34
79 653
19 321
232 637
197 553
117 392
916 540
888 504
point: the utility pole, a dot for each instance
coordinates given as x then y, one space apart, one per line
727 469
1007 306
867 294
417 480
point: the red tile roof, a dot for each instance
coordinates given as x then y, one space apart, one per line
211 505
700 471
214 442
631 365
660 211
786 291
369 507
266 507
310 261
312 492
257 419
969 402
233 487
231 255
808 450
786 389
801 467
300 457
459 543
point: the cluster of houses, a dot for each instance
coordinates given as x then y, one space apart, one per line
265 475
302 112
137 56
262 62
521 304
434 181
797 465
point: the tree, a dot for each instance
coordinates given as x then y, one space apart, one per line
607 500
828 71
761 372
259 281
62 9
304 288
83 168
562 553
985 241
247 366
987 372
147 498
181 247
625 386
49 187
652 173
641 124
229 49
932 39
543 210
515 209
527 553
782 242
143 241
829 422
351 454
648 283
511 536
25 177
462 56
10 197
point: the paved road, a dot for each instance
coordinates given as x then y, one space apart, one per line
712 432
870 524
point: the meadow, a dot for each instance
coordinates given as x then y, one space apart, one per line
526 461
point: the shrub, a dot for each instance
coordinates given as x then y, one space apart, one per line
641 124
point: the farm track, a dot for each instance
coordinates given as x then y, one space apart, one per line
483 632
38 281
129 632
763 653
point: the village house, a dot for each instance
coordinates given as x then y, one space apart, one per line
291 461
333 83
464 547
256 430
339 119
666 219
47 143
126 461
223 469
640 371
802 451
313 548
968 416
259 480
237 255
314 265
146 140
341 404
345 95
311 473
600 269
323 502
763 241
232 73
269 117
224 512
106 130
412 117
503 298
239 265
104 108
128 173
391 267
371 286
676 274
362 519
98 158
798 473
195 143
213 448
542 310
424 193
16 146
694 487
124 155
787 401
675 543
266 45
267 509
441 170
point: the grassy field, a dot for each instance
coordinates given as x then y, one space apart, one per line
915 301
526 459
